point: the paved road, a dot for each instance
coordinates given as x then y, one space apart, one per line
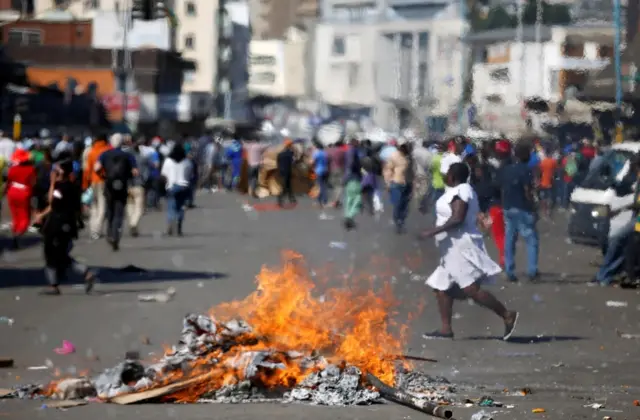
566 349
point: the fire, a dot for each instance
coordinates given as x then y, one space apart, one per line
344 325
287 322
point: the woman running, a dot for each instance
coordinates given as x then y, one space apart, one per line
464 262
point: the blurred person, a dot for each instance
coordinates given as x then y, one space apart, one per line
517 185
569 173
7 148
548 167
399 176
632 250
64 145
336 154
136 191
437 181
255 149
370 171
21 178
233 154
352 184
210 166
193 181
320 162
422 158
92 180
285 162
464 261
118 168
61 221
177 172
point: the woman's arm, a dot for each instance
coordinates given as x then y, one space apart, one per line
458 214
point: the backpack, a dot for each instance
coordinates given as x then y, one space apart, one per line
118 172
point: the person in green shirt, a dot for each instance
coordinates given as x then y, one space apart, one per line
437 180
37 155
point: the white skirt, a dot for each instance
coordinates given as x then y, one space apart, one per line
463 261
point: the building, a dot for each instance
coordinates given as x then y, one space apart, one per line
195 36
158 77
271 19
75 34
401 59
509 72
276 68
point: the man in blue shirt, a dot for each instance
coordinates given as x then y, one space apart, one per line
516 182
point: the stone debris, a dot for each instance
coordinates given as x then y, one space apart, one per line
209 345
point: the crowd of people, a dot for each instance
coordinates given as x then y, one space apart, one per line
55 185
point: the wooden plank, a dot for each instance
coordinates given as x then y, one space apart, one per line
65 403
5 392
143 396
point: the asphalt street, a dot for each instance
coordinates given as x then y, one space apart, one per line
566 350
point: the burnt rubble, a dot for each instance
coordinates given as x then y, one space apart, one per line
208 345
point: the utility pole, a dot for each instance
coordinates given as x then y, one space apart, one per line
463 59
539 17
222 82
520 42
617 65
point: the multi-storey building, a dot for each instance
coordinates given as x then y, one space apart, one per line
400 58
195 35
270 19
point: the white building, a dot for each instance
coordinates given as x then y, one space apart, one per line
402 60
508 72
277 67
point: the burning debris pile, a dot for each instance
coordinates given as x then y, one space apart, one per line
280 343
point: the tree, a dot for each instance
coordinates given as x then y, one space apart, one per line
498 18
557 14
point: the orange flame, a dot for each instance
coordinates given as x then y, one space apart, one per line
345 326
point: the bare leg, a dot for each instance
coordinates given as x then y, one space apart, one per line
445 307
489 301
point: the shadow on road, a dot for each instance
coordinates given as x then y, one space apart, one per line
523 339
24 242
27 277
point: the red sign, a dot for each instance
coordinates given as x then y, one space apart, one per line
114 102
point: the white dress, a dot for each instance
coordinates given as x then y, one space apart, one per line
463 257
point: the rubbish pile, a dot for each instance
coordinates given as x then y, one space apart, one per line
280 343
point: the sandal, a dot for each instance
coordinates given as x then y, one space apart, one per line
437 335
51 291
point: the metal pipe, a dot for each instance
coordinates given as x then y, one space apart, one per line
617 59
126 61
402 398
463 59
520 42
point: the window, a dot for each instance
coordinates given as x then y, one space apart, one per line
422 80
500 75
91 4
190 42
353 74
262 60
264 78
423 41
191 8
25 37
338 46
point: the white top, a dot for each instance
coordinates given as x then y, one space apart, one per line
177 173
463 257
7 147
443 211
447 160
